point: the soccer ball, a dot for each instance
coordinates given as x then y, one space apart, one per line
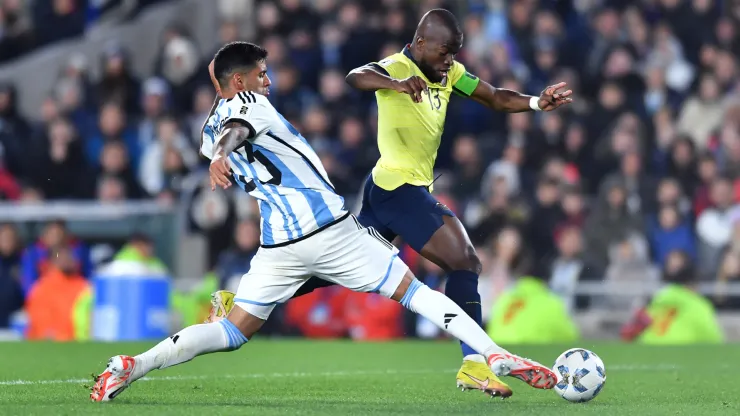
581 375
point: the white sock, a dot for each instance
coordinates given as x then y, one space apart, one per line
189 343
445 313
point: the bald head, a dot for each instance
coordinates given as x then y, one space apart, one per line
438 22
437 40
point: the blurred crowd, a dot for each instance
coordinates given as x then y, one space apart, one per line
643 167
26 25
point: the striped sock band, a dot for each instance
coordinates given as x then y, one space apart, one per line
234 336
413 287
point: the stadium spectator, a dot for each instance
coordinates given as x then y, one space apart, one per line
629 266
112 126
701 114
179 66
545 217
570 267
61 171
136 258
670 231
529 313
157 163
114 163
507 263
640 185
11 296
54 237
154 104
58 304
13 129
609 222
714 227
677 314
16 37
118 84
58 19
707 171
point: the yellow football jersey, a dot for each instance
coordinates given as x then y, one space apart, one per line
409 133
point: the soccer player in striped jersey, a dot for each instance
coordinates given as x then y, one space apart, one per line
306 231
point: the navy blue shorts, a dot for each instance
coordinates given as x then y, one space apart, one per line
408 211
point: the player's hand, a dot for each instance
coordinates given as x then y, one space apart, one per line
413 86
220 172
553 97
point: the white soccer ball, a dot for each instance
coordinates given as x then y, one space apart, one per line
581 375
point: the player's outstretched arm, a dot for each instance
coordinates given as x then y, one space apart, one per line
370 78
510 101
233 136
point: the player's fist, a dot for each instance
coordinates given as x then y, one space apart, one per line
220 172
413 86
554 96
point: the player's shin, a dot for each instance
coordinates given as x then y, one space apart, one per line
189 343
462 288
447 315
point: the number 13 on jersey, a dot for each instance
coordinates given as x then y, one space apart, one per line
433 97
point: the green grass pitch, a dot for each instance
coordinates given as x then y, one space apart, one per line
289 377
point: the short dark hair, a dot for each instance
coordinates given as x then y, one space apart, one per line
237 55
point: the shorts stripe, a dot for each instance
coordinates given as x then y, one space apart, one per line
387 273
254 302
359 226
374 233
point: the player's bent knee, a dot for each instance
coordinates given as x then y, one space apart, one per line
466 260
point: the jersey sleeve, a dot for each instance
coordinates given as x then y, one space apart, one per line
463 82
394 68
251 110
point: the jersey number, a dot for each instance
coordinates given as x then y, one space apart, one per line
276 175
434 93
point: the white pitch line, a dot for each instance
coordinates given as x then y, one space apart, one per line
627 367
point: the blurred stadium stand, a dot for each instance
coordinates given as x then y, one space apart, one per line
99 125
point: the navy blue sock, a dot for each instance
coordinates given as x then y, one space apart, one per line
462 288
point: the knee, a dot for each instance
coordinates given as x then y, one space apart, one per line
465 260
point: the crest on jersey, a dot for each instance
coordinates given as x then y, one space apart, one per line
386 62
243 110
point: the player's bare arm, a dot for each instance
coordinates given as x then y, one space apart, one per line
369 78
220 171
509 101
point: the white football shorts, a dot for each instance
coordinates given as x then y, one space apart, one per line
345 253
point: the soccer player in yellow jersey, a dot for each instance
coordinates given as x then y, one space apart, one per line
413 88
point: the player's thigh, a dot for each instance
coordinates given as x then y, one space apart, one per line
360 259
275 274
410 212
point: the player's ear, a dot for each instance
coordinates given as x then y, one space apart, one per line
239 81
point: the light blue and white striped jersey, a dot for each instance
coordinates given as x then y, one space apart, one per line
278 167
